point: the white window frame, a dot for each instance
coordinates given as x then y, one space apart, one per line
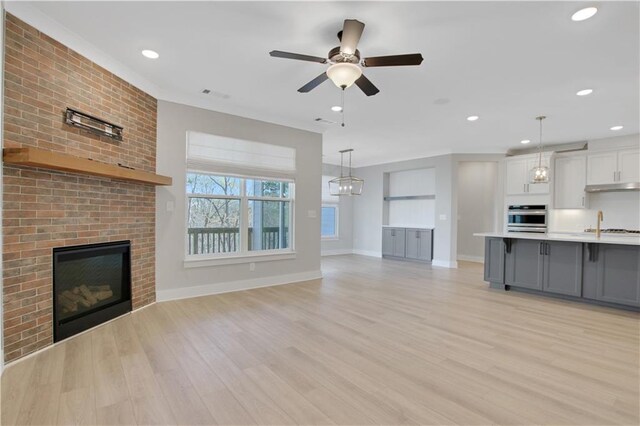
336 235
243 255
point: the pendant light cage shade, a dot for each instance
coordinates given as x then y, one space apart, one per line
540 173
346 184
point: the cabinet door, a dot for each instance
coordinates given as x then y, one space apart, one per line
618 269
413 248
601 168
570 178
425 244
516 177
629 165
387 241
399 242
524 263
536 188
563 268
494 260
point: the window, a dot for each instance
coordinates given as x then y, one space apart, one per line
329 222
329 212
229 215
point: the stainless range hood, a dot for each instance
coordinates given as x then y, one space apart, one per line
613 187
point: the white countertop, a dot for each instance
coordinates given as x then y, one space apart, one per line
583 237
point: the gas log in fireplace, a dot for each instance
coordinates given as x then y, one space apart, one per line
91 285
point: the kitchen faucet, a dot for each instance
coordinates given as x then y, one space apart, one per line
600 219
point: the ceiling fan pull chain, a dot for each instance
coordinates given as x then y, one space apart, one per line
342 105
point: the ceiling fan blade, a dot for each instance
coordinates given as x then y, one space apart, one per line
366 86
313 83
288 55
393 60
351 32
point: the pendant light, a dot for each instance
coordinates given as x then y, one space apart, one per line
345 185
540 173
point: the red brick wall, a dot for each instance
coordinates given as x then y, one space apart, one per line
43 209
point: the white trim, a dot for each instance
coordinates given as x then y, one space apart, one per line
15 361
369 253
231 286
336 252
477 259
445 263
194 262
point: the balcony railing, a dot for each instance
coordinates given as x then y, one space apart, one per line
226 240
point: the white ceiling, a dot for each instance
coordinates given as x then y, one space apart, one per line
504 61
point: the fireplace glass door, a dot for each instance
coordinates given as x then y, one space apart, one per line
92 284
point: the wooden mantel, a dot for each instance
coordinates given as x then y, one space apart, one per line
34 157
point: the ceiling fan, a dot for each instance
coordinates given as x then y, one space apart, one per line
346 62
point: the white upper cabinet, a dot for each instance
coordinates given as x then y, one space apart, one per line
518 172
516 177
629 165
602 168
613 167
570 178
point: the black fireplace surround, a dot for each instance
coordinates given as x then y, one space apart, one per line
91 285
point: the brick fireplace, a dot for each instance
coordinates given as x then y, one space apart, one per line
45 209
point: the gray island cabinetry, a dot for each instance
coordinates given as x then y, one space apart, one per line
608 273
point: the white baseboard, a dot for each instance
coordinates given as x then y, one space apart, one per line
445 263
336 252
226 287
367 253
477 259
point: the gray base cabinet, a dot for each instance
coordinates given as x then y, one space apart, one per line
604 272
524 264
551 266
562 267
494 249
407 243
418 245
393 242
612 273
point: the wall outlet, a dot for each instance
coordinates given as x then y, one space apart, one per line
170 206
312 214
252 266
443 217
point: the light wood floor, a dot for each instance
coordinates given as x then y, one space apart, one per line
374 342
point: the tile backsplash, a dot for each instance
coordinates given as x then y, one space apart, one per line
621 210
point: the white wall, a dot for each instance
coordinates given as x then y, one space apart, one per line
478 206
344 243
173 279
411 213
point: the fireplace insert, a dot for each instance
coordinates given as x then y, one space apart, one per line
91 285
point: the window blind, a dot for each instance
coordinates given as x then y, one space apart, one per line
221 154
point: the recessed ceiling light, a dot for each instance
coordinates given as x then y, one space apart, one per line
525 141
472 118
584 14
336 108
584 92
615 128
151 54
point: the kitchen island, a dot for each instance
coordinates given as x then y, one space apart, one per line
579 266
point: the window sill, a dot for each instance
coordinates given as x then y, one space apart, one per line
238 259
330 238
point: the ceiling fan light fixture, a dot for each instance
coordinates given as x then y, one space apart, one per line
344 74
